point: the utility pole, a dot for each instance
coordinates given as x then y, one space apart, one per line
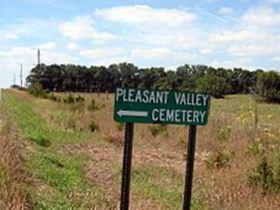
20 75
14 79
38 57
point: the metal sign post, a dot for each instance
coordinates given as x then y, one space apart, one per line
189 168
126 170
158 106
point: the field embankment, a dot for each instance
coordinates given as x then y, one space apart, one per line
74 152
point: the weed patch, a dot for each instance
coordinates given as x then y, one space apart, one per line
266 176
159 129
93 127
120 126
41 141
93 106
219 159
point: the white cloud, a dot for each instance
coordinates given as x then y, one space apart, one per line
143 14
276 59
101 53
51 57
154 53
138 24
264 16
12 36
180 38
255 34
10 63
82 27
72 47
162 54
29 28
47 46
104 56
206 51
17 52
106 61
226 10
252 50
244 62
239 35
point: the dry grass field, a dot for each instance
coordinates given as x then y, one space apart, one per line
57 155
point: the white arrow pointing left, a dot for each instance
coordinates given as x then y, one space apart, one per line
132 113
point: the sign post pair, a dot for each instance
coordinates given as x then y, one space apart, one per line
158 106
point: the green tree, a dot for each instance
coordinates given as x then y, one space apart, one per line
212 85
268 85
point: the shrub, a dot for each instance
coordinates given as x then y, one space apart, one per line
80 99
93 106
52 97
219 159
262 176
41 141
38 92
213 85
57 163
93 127
255 148
268 85
157 129
58 99
115 138
69 100
266 176
277 175
182 141
120 126
223 134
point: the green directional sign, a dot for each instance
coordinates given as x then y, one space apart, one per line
158 106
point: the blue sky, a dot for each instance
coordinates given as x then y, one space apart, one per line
220 33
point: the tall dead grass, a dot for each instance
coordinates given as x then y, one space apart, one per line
13 178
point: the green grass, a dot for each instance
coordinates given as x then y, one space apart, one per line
59 170
244 106
162 185
34 127
61 182
65 180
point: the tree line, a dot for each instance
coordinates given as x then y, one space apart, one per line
215 81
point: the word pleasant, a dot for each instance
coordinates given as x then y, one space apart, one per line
161 97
